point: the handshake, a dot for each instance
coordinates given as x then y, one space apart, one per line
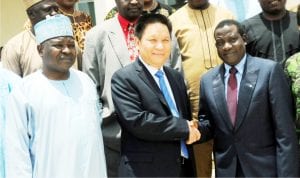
194 134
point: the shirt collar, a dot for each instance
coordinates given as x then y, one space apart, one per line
124 22
151 69
239 67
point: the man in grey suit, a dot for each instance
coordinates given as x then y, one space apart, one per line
106 51
246 106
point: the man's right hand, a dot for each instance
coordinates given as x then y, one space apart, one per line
194 134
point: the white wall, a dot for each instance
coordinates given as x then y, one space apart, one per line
12 18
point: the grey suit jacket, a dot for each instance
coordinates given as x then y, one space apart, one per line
105 52
263 139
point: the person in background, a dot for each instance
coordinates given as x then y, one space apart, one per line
273 33
247 8
53 119
293 71
246 107
20 54
152 104
193 26
242 9
150 6
81 22
109 47
8 81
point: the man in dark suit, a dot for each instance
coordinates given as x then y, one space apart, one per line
152 105
107 50
246 106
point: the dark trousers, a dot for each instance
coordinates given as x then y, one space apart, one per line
187 168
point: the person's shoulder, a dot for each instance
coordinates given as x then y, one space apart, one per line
292 18
105 26
262 63
181 12
97 33
292 13
112 13
9 77
31 81
171 70
24 35
219 9
253 21
7 73
212 73
169 10
128 70
33 76
81 75
214 70
293 63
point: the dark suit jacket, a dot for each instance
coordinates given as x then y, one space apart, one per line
105 52
150 140
263 139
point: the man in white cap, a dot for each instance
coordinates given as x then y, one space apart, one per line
53 119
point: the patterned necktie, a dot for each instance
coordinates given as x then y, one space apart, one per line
133 52
232 95
163 87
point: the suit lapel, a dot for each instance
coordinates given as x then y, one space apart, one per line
118 42
145 75
219 95
247 87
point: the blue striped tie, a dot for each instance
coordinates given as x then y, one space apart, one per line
163 87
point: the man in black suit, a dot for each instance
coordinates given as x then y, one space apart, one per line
152 105
246 106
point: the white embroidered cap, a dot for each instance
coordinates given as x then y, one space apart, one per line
53 26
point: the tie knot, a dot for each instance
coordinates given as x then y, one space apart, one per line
232 70
159 74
